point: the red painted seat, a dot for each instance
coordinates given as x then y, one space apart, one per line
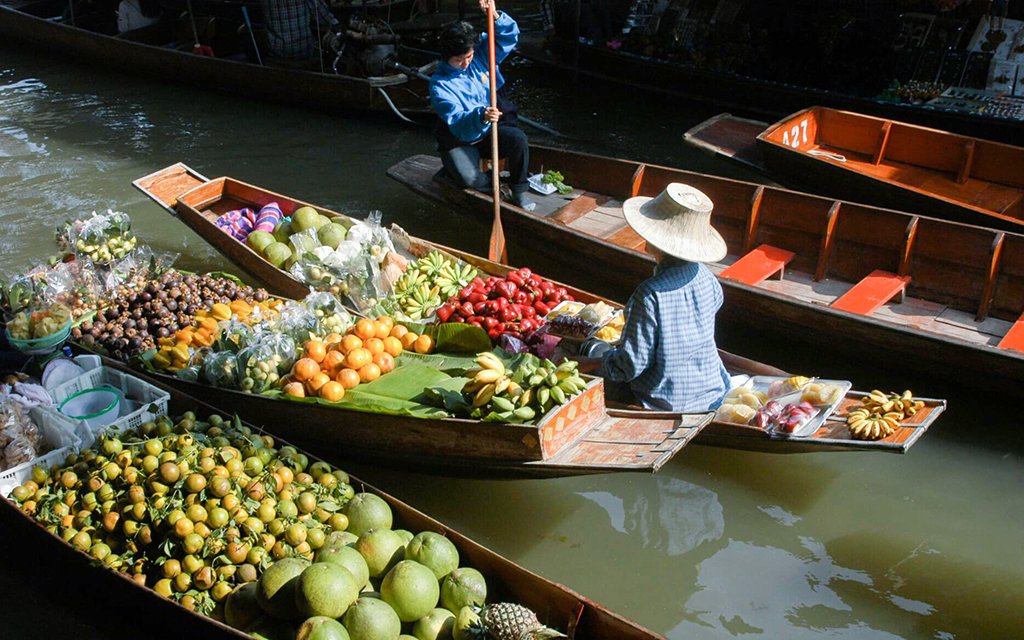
877 288
758 265
1014 338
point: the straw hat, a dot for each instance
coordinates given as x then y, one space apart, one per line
678 222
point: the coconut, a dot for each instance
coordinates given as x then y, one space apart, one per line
411 589
436 625
322 628
331 235
325 589
372 619
305 218
463 587
382 549
259 240
434 551
275 590
367 511
277 253
349 558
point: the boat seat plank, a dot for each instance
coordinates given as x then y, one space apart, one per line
1014 338
877 288
579 206
597 223
758 265
626 237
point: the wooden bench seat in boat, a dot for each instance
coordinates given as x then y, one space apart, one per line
1014 338
758 265
877 288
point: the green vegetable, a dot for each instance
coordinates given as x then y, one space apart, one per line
557 179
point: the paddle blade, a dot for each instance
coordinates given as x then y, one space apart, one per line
496 252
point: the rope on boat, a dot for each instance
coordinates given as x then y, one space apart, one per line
391 104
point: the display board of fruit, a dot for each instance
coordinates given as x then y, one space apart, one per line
227 523
880 414
792 406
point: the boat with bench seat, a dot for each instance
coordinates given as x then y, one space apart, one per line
884 285
877 161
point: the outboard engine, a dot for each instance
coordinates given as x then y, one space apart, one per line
365 48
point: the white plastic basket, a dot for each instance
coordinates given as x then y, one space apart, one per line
59 432
141 401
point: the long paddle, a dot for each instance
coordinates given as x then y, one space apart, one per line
496 250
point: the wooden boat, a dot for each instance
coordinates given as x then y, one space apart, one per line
881 162
620 440
762 98
796 263
142 608
157 51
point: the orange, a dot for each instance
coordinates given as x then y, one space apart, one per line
399 330
408 339
374 346
385 361
350 342
304 369
349 378
424 344
332 391
318 380
393 346
295 390
366 329
369 372
332 362
357 358
332 337
315 350
383 328
389 321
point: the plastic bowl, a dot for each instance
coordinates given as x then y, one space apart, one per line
40 346
98 406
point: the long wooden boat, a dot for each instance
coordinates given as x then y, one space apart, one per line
142 608
620 440
963 286
881 162
158 52
763 98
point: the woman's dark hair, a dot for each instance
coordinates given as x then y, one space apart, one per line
457 39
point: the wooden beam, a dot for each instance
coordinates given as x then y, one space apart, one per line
908 245
827 239
883 141
638 178
990 277
966 163
752 221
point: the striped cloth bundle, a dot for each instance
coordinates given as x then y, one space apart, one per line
239 223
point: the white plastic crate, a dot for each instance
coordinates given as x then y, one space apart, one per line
59 432
142 401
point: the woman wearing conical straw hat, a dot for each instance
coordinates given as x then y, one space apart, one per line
667 358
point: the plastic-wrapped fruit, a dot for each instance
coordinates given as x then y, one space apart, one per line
820 393
738 413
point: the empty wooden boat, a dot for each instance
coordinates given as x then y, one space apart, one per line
883 285
881 162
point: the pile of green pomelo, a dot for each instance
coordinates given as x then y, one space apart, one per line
303 231
369 582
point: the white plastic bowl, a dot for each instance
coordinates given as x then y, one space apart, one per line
98 406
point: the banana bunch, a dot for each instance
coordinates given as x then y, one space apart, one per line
525 395
428 282
880 414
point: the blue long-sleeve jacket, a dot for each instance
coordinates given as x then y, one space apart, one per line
460 97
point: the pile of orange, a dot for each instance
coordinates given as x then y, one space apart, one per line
331 366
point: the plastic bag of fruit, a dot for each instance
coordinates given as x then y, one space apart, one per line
102 237
331 315
296 321
221 370
262 364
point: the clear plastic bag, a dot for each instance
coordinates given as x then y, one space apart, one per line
296 321
102 237
331 315
19 451
262 364
221 370
234 336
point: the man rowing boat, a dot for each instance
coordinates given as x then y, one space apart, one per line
667 359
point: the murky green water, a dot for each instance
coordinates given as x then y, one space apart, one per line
718 544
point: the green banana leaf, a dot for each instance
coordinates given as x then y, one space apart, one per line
392 394
456 337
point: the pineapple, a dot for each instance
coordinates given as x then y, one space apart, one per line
510 621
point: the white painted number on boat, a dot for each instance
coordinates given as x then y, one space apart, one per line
799 133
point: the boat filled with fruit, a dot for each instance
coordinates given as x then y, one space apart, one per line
216 528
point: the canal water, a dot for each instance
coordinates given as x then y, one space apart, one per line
718 544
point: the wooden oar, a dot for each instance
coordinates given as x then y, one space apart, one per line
496 249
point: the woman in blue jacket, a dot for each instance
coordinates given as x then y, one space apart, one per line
460 95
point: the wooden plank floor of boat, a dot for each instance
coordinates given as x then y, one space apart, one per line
601 217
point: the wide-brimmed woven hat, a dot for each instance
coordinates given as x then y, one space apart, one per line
677 221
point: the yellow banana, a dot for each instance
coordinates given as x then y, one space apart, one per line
484 395
489 375
502 384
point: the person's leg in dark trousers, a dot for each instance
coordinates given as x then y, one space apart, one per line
514 147
463 164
